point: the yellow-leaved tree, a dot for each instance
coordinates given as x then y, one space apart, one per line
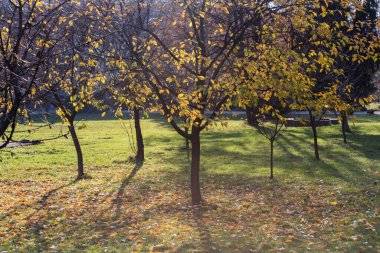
190 57
74 78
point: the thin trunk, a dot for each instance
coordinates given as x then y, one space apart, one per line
78 150
313 125
344 133
139 137
271 158
345 125
187 139
316 148
195 164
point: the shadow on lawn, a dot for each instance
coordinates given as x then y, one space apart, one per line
334 164
212 144
47 195
213 227
296 156
367 145
37 226
206 241
97 216
76 220
120 193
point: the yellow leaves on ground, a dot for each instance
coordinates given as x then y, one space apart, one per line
236 217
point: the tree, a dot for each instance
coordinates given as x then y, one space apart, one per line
25 44
360 72
271 131
128 85
133 94
273 76
187 59
73 77
328 49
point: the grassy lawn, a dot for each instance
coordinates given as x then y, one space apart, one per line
327 206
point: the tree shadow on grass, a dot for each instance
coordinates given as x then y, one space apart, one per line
296 156
212 145
38 226
47 195
206 242
206 239
76 220
309 160
367 145
120 193
334 164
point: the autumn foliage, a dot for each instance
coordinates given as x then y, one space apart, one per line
190 61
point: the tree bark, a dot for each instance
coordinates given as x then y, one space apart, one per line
195 166
345 125
187 139
7 118
316 148
251 119
139 137
6 121
313 125
271 159
344 133
78 150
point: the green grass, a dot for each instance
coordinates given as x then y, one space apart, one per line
330 205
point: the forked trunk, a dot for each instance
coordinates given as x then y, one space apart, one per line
139 137
78 150
195 164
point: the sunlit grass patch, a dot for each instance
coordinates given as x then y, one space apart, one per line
331 205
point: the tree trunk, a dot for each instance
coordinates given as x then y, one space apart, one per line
187 140
139 137
271 159
313 125
7 118
195 164
316 148
344 133
345 125
78 150
251 115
